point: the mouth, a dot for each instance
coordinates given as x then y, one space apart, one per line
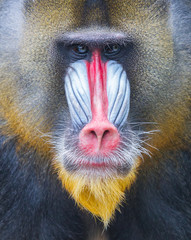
119 161
93 165
98 167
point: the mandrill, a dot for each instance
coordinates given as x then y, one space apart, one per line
95 120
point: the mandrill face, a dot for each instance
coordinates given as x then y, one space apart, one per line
98 96
96 88
97 150
95 119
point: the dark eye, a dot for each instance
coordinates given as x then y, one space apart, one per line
80 49
112 49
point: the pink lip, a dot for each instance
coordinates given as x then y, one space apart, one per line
94 164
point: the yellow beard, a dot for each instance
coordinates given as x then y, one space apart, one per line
98 195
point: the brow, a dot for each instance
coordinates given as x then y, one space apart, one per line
94 37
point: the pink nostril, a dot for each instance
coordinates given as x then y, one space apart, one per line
99 137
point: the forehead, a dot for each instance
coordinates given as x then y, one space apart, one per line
88 13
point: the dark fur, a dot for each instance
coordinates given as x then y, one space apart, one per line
33 204
159 205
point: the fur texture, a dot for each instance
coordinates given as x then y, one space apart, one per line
37 192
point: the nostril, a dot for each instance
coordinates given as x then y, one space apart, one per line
106 132
98 134
93 133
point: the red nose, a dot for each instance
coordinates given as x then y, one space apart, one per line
99 137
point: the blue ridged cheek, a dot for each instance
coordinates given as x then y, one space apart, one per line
118 92
78 94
